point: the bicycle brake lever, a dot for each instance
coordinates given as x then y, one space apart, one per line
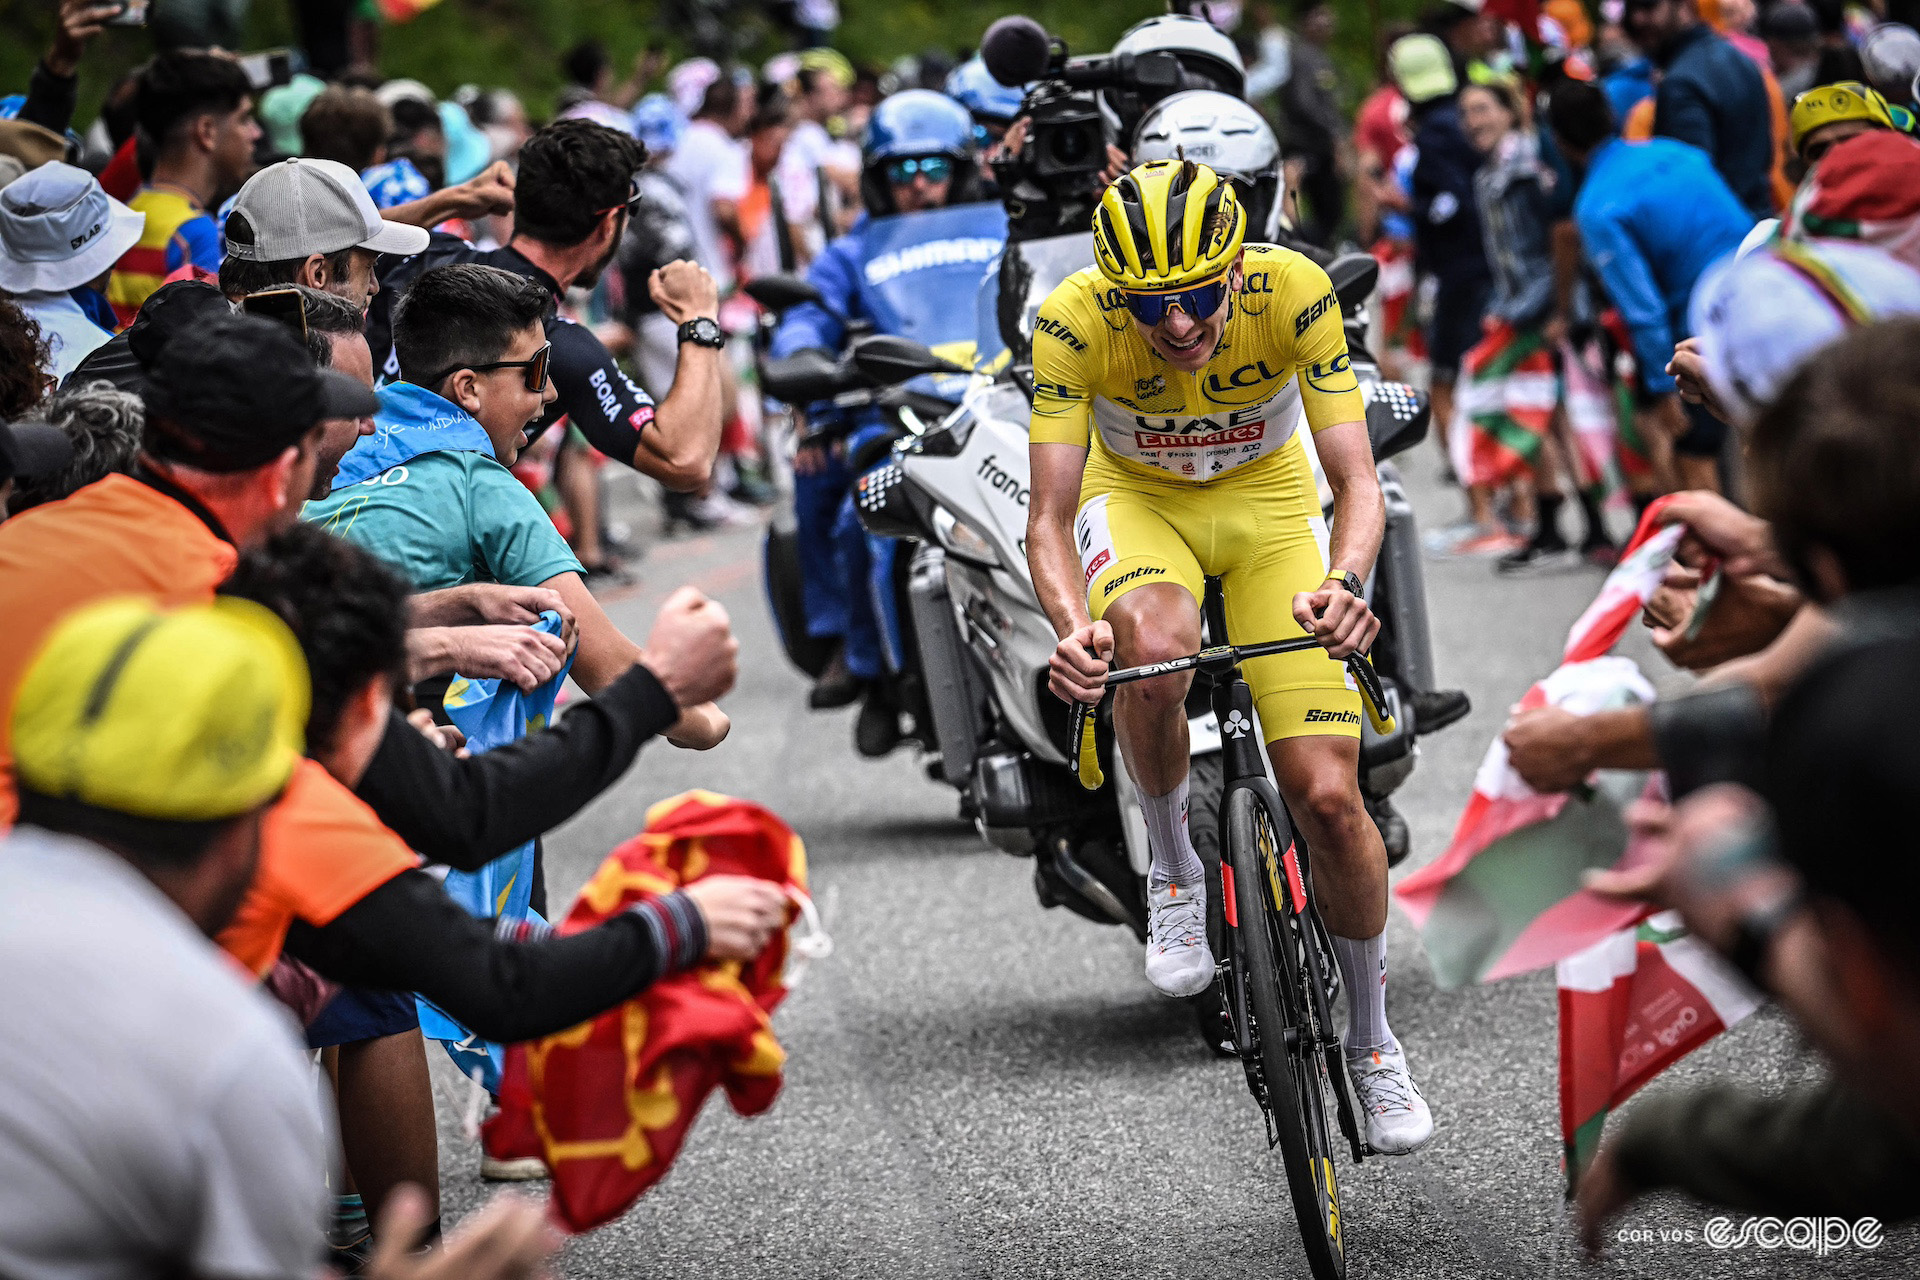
1086 752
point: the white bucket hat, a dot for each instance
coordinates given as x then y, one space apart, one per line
58 230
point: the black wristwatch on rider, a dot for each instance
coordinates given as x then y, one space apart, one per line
702 331
1350 580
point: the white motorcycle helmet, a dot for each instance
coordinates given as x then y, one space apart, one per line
1203 50
1231 138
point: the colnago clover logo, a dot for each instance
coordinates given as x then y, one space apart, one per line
1237 725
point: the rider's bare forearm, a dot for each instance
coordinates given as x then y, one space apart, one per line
1056 571
1359 509
1055 472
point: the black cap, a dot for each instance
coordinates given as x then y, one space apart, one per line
171 309
233 392
1788 20
32 449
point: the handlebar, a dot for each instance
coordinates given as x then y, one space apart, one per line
1218 658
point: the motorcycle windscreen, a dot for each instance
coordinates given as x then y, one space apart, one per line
922 272
1013 290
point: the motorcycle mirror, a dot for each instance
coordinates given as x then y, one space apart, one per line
1397 418
1353 276
888 359
780 292
803 377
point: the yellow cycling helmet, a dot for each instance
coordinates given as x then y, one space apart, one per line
1837 102
1167 225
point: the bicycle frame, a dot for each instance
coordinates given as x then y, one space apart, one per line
1292 882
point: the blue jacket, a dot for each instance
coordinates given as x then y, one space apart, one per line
1653 216
1626 85
1446 222
1713 96
836 274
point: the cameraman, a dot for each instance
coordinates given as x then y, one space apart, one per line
918 156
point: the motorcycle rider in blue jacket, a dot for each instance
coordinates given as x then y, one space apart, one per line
917 156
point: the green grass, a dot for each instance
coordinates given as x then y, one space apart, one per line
518 43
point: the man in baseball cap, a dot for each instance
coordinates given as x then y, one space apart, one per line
1826 116
60 235
30 450
150 744
238 393
310 222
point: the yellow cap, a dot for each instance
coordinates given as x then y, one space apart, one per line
832 62
1832 103
183 715
1166 225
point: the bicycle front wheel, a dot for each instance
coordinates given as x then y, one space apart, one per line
1286 1029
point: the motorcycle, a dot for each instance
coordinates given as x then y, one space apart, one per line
958 486
920 272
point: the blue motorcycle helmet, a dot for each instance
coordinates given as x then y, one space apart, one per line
989 102
916 124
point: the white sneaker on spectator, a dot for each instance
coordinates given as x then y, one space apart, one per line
522 1169
718 509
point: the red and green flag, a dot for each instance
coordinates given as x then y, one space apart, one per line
1507 396
1631 1005
1506 897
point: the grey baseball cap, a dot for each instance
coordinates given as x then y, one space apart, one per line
299 207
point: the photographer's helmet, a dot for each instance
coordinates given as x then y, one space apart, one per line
1169 224
1231 138
986 99
909 125
1204 52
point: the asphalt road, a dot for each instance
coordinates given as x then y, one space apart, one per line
980 1088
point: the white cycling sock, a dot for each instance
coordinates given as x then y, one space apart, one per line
1172 855
1363 971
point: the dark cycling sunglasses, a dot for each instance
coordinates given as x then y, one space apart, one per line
536 367
1199 302
630 203
932 168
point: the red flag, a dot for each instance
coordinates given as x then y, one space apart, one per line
1631 1006
607 1104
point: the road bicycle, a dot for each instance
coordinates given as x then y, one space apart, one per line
1277 981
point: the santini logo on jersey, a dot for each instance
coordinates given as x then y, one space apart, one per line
936 253
1053 328
1312 313
1144 571
1317 716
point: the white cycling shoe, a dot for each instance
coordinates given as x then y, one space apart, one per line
1396 1116
1179 962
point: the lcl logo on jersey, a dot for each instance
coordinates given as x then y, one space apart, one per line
1247 375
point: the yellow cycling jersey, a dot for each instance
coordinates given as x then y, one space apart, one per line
1283 349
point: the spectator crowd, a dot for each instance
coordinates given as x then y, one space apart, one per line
309 386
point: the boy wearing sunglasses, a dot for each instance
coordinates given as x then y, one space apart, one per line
1171 384
429 492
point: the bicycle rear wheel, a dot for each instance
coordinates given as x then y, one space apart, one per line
1287 1031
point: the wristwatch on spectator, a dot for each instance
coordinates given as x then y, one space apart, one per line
1350 580
703 331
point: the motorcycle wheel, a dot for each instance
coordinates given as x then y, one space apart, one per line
781 566
1206 780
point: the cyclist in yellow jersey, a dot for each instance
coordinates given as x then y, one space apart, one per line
1170 385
